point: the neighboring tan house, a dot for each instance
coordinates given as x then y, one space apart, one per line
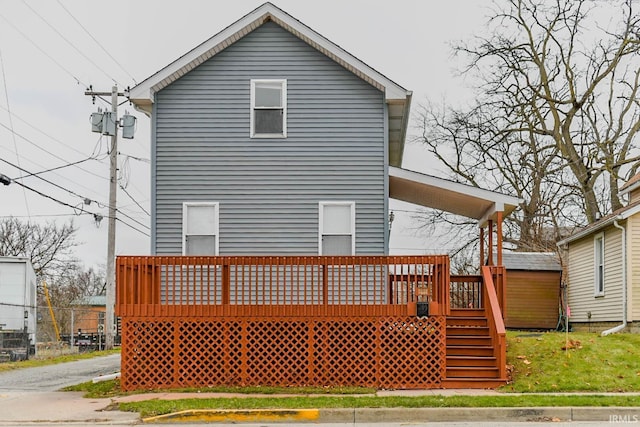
274 153
603 280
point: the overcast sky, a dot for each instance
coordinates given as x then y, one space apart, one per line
51 50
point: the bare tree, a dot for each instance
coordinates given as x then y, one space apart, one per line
555 116
48 246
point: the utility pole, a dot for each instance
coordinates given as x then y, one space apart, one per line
111 229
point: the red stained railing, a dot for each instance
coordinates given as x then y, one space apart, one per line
280 286
493 293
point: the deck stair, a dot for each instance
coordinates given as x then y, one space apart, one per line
470 355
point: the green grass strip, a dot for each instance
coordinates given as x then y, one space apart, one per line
159 407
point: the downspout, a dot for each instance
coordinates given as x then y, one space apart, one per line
624 283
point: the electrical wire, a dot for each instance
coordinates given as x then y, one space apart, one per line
49 182
32 126
57 167
134 200
15 144
43 51
49 152
70 43
75 182
77 208
97 42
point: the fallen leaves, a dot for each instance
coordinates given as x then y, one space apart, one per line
572 344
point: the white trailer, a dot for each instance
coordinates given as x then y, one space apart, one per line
18 303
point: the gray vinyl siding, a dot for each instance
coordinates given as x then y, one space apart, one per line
269 189
581 277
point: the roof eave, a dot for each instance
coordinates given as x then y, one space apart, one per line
144 92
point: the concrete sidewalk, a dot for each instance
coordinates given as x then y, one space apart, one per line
70 408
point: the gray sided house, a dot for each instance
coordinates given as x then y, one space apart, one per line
270 140
271 145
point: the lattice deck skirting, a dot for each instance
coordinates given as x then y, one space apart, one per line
381 352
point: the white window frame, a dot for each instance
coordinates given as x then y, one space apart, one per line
216 224
352 226
283 83
599 275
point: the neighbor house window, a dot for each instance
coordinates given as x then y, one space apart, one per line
598 246
337 228
200 228
268 108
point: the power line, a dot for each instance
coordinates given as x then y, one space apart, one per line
32 126
49 152
15 145
73 193
58 175
49 182
69 42
82 210
134 200
97 42
57 167
43 51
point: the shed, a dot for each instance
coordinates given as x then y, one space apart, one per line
533 290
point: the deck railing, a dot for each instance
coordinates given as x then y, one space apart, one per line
280 285
466 291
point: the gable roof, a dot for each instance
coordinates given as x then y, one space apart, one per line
619 215
449 196
397 98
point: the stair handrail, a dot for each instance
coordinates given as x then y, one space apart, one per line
495 322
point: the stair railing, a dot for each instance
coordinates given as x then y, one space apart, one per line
495 321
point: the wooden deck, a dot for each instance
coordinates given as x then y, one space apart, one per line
197 321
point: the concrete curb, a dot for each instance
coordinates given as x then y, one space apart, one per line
238 416
382 415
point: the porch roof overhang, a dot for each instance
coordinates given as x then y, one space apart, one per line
438 193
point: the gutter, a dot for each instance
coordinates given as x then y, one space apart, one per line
623 325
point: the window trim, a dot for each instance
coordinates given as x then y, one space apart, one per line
352 226
598 291
216 224
252 133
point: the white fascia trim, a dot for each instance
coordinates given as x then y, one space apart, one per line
479 193
146 89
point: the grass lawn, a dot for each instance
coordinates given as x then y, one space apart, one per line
590 364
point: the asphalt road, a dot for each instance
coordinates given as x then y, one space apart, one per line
55 377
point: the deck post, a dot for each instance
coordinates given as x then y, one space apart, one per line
481 246
490 231
499 237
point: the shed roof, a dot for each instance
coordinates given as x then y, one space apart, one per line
92 300
531 261
397 98
438 193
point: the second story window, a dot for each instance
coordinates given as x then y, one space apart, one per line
268 108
